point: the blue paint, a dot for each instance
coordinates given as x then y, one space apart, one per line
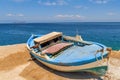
78 54
73 56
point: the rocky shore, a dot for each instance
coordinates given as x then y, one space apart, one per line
14 65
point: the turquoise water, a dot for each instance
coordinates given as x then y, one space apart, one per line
107 33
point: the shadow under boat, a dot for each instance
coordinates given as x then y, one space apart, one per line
70 75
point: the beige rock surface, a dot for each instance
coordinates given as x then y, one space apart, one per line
14 65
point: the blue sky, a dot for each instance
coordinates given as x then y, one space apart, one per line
59 11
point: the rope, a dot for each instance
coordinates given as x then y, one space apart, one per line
107 75
102 50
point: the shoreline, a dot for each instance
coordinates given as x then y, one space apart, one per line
25 43
14 61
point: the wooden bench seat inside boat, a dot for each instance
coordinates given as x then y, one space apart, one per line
56 48
47 37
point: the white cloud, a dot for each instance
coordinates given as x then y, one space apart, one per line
100 1
111 13
62 2
52 3
15 15
21 15
80 7
64 16
9 14
68 16
78 16
19 0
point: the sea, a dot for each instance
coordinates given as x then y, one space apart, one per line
107 33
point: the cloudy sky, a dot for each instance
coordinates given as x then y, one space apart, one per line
60 10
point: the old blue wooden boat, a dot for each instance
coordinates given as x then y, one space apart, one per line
69 54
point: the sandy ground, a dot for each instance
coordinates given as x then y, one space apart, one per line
14 65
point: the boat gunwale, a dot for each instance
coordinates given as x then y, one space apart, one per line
65 64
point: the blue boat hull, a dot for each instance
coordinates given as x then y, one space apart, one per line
97 65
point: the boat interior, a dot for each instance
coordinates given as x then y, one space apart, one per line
56 46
